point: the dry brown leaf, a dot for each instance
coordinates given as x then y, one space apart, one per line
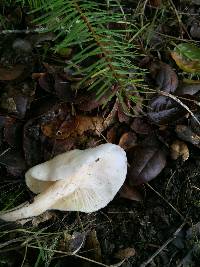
140 126
86 123
112 135
179 149
43 218
130 192
93 246
164 76
50 128
147 161
125 253
185 133
128 140
12 73
72 127
155 3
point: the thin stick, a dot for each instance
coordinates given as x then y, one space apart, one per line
90 260
163 246
165 201
25 254
24 31
71 254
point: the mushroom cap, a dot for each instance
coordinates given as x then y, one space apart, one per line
97 173
78 180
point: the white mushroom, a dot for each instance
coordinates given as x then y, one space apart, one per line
78 180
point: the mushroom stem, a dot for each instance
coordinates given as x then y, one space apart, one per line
42 202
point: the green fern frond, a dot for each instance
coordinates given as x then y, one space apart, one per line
105 57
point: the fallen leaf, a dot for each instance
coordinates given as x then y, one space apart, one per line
179 149
34 141
163 110
72 243
187 57
147 163
185 133
89 101
125 253
140 126
46 216
62 145
72 126
164 76
93 246
16 99
112 135
11 73
85 123
77 241
121 114
50 129
128 140
188 87
130 192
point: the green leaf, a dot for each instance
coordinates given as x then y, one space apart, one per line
187 57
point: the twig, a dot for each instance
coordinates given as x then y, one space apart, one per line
163 246
25 254
165 201
5 151
181 25
181 103
24 31
71 254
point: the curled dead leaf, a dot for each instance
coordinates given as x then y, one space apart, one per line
163 110
147 163
164 76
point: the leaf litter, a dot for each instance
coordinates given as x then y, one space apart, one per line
44 112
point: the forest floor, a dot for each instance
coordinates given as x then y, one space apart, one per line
151 222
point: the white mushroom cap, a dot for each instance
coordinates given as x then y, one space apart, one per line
78 180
